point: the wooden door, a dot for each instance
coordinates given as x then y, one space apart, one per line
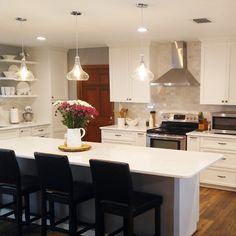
96 92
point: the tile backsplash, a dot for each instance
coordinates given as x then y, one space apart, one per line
175 98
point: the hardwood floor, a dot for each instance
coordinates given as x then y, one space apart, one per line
217 216
217 213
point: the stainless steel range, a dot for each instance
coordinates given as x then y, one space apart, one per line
172 132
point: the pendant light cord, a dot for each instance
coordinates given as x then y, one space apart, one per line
22 40
76 35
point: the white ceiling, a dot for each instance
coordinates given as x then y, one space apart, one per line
114 21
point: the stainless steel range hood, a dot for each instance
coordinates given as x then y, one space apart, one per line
178 75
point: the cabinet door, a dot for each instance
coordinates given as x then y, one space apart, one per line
193 143
214 72
120 87
140 89
232 75
59 84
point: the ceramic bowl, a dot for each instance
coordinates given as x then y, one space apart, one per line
131 122
9 74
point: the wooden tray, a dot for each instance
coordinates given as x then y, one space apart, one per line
82 148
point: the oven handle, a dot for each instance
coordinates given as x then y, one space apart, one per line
169 137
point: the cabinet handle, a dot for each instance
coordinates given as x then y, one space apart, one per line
40 130
224 159
118 135
22 131
193 137
221 176
222 143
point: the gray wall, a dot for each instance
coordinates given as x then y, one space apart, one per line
88 56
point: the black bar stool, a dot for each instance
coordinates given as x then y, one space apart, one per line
114 194
17 185
57 185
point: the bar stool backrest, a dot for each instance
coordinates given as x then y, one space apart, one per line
9 168
54 172
112 181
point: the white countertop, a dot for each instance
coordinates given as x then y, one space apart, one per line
210 134
126 128
153 161
22 125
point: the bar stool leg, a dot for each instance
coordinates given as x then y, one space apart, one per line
99 225
72 219
52 214
19 214
27 209
128 226
157 221
44 214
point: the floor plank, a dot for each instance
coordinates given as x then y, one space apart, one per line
217 216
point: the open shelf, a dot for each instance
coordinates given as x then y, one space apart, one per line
18 96
14 79
18 61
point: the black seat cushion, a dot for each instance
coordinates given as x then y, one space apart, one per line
29 184
141 203
82 192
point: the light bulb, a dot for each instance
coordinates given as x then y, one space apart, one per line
77 73
23 73
142 73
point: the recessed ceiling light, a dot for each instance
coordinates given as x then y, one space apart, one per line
41 38
142 29
201 20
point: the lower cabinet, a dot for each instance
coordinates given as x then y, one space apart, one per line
221 174
124 137
40 131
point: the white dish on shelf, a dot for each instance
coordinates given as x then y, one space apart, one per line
9 74
13 68
8 57
23 88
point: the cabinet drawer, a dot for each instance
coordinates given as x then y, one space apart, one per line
119 136
223 144
218 177
228 161
6 134
25 132
40 130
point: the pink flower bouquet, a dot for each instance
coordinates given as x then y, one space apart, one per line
75 113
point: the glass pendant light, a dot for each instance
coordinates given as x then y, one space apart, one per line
142 73
23 73
77 73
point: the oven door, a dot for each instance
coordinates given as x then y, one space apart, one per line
177 142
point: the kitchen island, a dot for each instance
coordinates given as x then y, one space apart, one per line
171 173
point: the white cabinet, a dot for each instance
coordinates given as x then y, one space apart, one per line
124 137
7 134
221 174
123 61
218 73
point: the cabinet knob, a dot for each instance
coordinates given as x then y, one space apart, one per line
222 101
226 101
221 176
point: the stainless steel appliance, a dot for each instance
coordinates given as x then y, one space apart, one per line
224 122
172 132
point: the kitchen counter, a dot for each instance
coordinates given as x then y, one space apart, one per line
171 173
126 128
21 125
210 134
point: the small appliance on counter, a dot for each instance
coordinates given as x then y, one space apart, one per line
28 114
14 116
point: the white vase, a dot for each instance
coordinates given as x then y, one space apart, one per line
74 137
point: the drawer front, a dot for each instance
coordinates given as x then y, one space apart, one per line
223 144
218 177
40 130
141 139
228 161
6 134
25 132
122 136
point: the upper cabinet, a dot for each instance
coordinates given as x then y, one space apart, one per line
123 61
218 73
